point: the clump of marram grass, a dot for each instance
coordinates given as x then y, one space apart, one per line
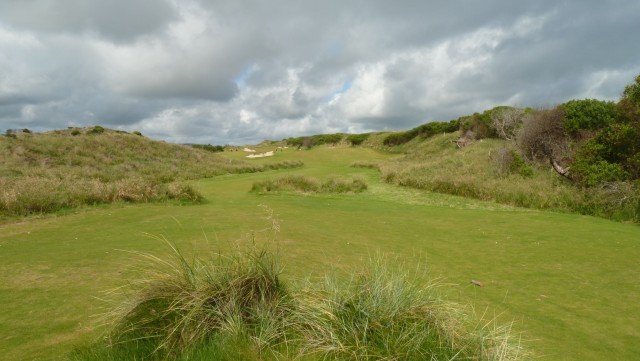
32 194
179 304
237 307
365 164
379 314
306 184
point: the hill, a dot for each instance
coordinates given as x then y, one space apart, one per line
46 172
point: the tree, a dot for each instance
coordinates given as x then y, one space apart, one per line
506 121
629 104
613 152
542 137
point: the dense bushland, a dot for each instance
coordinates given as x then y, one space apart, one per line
46 172
240 307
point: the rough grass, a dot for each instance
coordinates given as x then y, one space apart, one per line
238 307
436 164
307 184
41 173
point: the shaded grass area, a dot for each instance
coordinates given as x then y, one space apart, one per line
306 184
241 303
47 172
476 171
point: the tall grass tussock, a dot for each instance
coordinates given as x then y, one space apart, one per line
239 307
307 185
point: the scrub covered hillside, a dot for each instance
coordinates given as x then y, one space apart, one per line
582 156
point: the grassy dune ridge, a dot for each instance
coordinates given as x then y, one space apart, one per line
45 172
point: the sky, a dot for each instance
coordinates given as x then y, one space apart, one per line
242 71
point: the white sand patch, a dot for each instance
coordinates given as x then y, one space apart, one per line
260 155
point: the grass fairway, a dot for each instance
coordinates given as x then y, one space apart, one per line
569 282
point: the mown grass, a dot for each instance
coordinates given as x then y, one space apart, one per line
476 171
568 281
47 172
181 306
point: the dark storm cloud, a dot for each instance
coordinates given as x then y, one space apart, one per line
234 72
119 20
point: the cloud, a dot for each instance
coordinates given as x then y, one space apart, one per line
239 72
116 20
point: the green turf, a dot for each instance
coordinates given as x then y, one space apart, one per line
570 282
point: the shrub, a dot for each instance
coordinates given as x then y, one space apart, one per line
590 173
137 133
75 132
424 131
510 162
506 122
629 104
209 147
542 136
295 142
519 166
326 139
357 139
96 130
588 114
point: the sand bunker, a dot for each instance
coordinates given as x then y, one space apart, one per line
260 155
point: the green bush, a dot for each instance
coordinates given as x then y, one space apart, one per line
10 133
424 131
629 104
357 139
519 166
590 173
295 142
209 147
96 130
588 114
